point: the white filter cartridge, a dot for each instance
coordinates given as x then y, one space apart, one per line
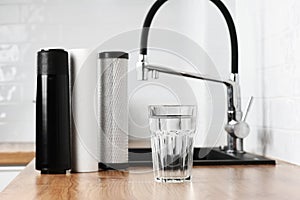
84 121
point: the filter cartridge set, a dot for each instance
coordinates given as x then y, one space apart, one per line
81 111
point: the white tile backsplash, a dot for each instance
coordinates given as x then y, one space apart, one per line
274 119
9 53
26 26
9 14
10 93
285 113
276 143
8 72
8 2
13 33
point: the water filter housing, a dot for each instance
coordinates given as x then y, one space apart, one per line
113 109
53 113
85 146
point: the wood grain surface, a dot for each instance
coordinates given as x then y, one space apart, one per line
16 158
219 182
16 153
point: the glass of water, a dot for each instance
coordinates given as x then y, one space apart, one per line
172 141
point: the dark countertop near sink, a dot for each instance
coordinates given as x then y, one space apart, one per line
279 181
203 156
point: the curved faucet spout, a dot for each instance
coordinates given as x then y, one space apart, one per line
220 5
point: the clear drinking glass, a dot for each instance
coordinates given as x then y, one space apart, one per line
172 141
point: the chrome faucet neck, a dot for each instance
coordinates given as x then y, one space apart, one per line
142 71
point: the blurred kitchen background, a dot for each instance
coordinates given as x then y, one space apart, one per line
269 41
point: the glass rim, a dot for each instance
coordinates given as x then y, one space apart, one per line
172 110
174 106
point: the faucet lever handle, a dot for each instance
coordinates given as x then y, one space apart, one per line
250 102
241 129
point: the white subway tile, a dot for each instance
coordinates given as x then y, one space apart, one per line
276 50
5 2
296 87
278 82
77 13
8 72
13 33
49 33
284 113
11 112
17 131
32 13
10 93
9 53
276 15
9 14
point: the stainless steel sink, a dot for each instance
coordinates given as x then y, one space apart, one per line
203 156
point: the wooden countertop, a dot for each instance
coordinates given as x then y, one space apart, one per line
217 182
16 153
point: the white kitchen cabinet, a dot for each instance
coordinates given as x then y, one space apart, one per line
7 174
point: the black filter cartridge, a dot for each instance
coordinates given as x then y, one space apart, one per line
53 155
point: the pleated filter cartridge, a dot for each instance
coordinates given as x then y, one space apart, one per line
113 110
